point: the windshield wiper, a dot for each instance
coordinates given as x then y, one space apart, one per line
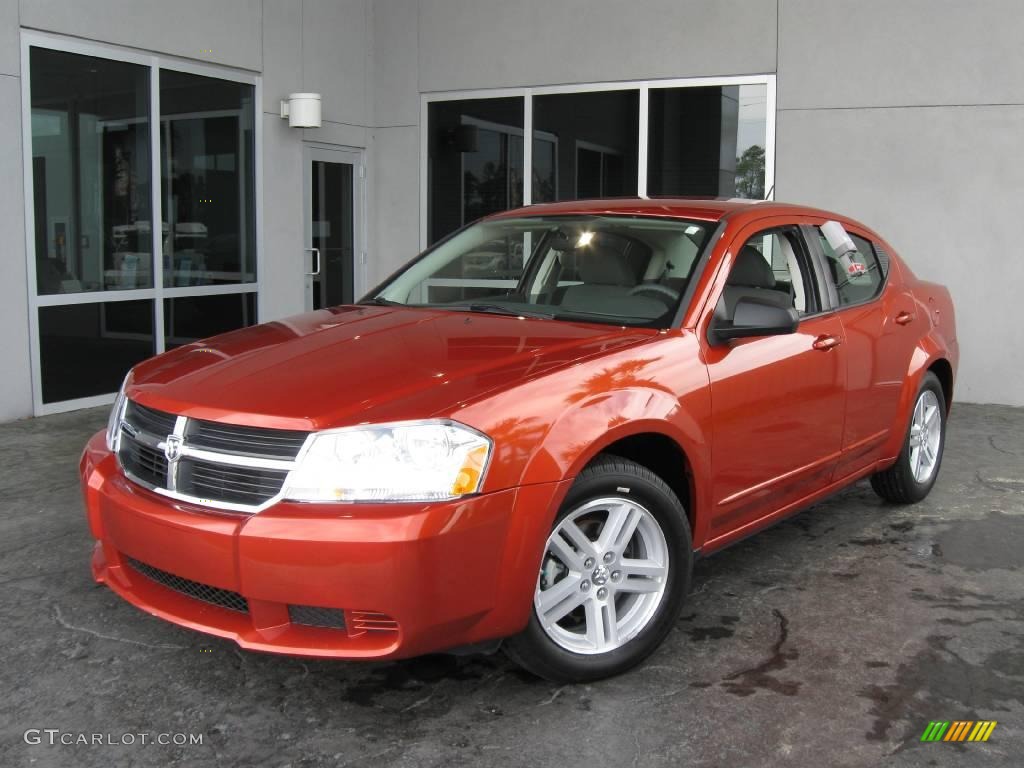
569 314
501 309
381 301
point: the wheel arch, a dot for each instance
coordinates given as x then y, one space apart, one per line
663 456
928 357
943 370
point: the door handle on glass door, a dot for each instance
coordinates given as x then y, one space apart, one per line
825 343
904 318
316 255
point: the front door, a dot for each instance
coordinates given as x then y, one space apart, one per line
334 255
778 401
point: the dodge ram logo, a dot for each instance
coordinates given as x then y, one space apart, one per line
172 447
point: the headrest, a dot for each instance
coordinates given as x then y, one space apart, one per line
599 265
751 270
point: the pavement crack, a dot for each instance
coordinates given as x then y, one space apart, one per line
553 696
59 617
992 442
417 704
746 681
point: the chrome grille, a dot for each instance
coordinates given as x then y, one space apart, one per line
144 462
228 466
241 485
148 420
279 443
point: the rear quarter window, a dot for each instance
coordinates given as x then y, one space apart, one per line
858 275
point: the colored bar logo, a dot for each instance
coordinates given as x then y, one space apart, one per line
958 730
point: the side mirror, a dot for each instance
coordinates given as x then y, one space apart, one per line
754 317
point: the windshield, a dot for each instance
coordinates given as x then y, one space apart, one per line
611 269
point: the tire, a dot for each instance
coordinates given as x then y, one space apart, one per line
653 537
904 482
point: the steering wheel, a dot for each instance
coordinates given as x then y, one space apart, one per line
660 291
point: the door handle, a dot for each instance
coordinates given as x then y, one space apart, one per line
904 318
825 343
316 253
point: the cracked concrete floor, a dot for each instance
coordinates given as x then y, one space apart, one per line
829 640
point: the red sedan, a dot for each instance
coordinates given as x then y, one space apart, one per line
527 433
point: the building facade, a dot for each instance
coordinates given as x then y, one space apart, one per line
154 195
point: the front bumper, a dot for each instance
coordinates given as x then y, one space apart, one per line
408 579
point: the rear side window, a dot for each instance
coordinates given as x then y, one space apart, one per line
857 272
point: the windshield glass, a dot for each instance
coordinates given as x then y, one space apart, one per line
611 269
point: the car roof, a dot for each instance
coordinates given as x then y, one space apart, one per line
699 208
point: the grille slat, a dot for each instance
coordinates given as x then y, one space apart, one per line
142 461
224 598
256 441
242 485
149 420
207 480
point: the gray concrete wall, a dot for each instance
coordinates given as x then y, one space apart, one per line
907 114
915 127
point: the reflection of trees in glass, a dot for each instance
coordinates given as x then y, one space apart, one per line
750 173
543 187
487 193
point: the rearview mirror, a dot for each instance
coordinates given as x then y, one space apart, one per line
755 317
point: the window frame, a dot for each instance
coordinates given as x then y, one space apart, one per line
642 86
811 236
813 286
158 292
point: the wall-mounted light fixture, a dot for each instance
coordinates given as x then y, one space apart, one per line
302 110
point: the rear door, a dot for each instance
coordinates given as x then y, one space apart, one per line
881 330
778 401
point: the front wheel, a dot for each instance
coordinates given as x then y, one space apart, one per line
615 571
912 476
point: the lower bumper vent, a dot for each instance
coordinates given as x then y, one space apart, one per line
312 616
223 598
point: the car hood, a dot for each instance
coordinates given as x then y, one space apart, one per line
354 364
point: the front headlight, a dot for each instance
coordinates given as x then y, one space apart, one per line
409 461
114 420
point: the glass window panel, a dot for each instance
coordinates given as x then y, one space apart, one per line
87 349
475 161
333 232
91 173
585 145
707 141
190 318
207 198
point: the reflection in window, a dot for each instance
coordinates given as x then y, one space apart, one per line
86 349
190 318
90 173
475 161
588 145
207 154
707 141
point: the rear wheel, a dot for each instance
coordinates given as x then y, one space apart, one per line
615 571
912 476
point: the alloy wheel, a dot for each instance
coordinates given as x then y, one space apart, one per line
603 577
925 436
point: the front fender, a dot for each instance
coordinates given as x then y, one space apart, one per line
589 426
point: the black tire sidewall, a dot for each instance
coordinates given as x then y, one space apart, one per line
669 514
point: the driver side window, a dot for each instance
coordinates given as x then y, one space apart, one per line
772 265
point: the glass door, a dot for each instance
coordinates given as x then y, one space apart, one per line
334 256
